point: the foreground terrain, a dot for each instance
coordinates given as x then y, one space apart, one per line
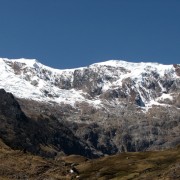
137 165
15 164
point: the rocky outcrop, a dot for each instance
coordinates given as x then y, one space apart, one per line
177 69
43 136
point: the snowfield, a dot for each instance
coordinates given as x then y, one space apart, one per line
29 79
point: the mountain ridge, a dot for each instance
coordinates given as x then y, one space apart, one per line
38 80
111 107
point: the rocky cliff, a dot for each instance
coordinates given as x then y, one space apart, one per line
44 136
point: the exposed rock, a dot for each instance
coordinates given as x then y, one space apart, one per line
108 107
44 136
177 69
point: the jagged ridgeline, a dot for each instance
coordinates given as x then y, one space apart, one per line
105 108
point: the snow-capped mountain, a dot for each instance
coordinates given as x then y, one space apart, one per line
111 82
111 106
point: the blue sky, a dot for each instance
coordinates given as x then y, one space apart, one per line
74 33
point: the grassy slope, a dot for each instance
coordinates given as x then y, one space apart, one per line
19 165
142 165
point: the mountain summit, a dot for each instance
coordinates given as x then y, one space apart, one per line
144 84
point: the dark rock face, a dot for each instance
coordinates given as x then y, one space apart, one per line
20 132
123 128
177 69
88 81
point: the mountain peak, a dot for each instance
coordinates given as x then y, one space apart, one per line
143 82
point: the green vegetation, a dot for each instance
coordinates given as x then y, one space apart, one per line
138 165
